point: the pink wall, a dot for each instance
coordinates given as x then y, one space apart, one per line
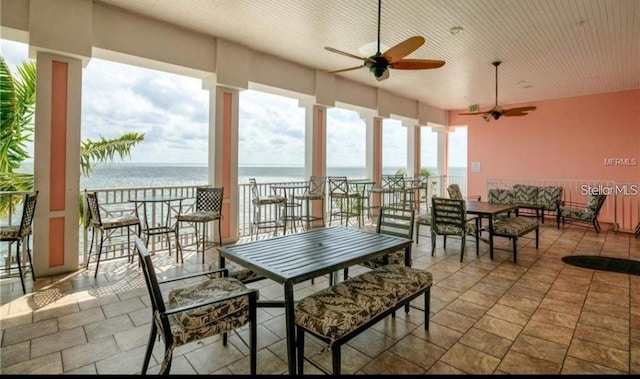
563 139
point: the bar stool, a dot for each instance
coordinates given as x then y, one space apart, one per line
315 192
266 211
342 199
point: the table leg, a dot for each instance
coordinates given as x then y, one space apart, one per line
290 327
491 237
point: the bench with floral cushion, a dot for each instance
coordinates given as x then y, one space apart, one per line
514 227
538 199
340 312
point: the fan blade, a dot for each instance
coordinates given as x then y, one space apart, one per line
508 112
384 76
403 49
416 64
472 113
346 69
331 49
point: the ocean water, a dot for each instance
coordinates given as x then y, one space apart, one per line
131 175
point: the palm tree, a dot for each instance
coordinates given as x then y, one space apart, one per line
17 106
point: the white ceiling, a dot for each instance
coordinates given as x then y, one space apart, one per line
549 48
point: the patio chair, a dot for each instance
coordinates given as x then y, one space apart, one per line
583 213
455 193
342 199
196 311
266 210
21 233
315 192
107 226
395 222
449 218
208 208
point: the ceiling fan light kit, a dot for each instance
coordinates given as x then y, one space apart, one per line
380 63
497 111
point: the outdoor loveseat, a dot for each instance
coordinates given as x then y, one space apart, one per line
530 199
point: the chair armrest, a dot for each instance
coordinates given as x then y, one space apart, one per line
250 292
189 276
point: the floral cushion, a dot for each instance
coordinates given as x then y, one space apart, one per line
341 308
210 319
116 222
200 216
577 214
595 202
397 258
515 226
274 199
9 232
400 280
238 272
423 219
454 192
470 227
500 196
524 194
549 197
310 196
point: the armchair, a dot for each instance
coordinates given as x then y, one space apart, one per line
580 212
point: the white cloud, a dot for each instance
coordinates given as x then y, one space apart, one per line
172 111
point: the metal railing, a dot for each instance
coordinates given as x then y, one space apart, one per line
117 201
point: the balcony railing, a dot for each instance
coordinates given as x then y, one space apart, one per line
623 211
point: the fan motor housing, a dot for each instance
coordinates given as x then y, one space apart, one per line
379 67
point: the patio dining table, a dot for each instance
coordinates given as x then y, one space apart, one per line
294 258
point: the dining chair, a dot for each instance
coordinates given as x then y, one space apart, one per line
196 311
449 218
20 234
266 210
342 199
315 192
107 226
208 208
394 222
583 212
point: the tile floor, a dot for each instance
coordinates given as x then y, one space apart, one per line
487 317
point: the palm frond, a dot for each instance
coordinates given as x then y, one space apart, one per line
104 150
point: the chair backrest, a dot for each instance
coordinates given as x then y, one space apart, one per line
317 184
337 184
157 303
392 181
448 215
396 222
28 210
454 191
209 199
595 203
94 208
255 192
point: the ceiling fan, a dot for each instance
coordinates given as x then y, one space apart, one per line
379 63
497 111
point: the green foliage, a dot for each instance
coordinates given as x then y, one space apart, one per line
401 171
17 108
104 150
425 171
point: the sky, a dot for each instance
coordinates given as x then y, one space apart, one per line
172 111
